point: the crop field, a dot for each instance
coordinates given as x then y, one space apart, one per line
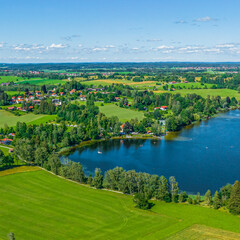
208 92
11 120
38 205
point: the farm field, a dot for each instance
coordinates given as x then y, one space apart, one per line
39 205
11 120
207 92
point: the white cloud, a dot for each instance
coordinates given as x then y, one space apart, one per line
56 46
181 22
164 47
204 19
225 45
109 46
97 49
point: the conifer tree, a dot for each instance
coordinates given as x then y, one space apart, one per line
234 201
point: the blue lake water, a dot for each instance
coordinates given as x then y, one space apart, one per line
204 156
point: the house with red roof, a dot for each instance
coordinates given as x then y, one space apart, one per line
163 108
72 91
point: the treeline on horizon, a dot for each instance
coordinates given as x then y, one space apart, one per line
110 65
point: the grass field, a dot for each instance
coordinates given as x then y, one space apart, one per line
10 79
41 81
11 120
122 113
207 92
110 109
38 205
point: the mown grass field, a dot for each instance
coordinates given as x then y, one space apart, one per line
11 120
110 109
38 205
122 113
41 81
4 79
207 92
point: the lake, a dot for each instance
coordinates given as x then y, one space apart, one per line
203 156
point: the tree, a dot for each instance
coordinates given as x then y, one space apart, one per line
162 192
11 236
208 197
141 201
54 163
182 197
173 188
90 180
198 198
217 200
190 200
98 179
127 128
234 201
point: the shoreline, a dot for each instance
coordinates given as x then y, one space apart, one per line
66 150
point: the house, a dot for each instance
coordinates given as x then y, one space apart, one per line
54 95
117 98
57 102
30 97
62 93
157 108
38 93
11 134
72 91
37 101
11 108
30 108
19 100
10 150
122 127
6 141
83 98
163 108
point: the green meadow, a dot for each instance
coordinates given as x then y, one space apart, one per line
38 205
41 81
223 93
123 114
30 118
110 109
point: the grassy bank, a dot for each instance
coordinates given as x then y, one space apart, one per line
39 205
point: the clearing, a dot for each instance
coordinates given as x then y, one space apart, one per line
11 120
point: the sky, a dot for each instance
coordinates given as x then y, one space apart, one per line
37 31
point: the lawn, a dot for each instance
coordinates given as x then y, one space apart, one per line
11 120
207 92
38 205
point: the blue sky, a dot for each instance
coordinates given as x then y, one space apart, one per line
119 30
